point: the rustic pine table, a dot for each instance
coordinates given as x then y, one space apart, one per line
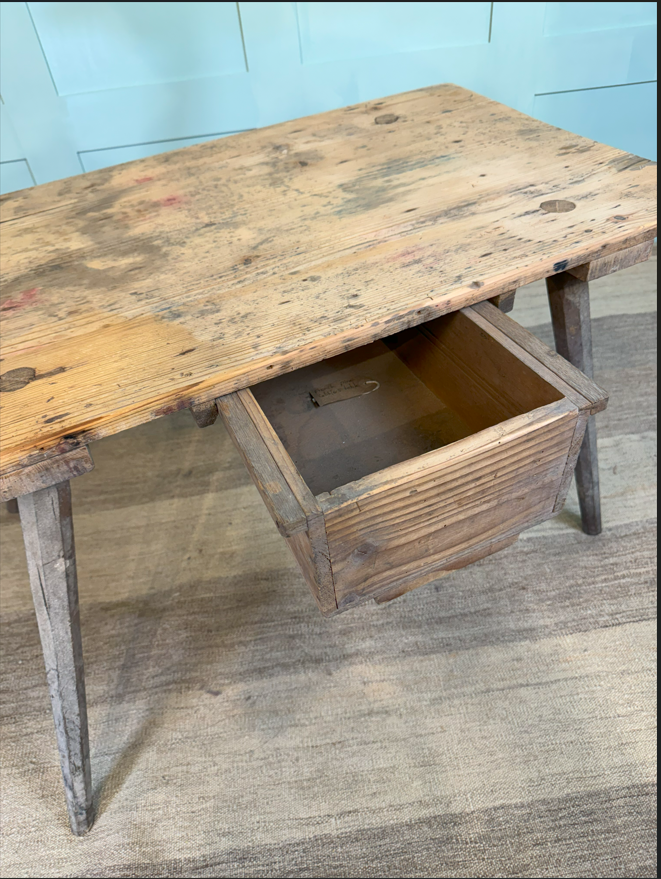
175 281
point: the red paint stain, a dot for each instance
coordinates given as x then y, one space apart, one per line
170 201
410 253
23 299
143 179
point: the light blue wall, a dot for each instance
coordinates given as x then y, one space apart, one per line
87 85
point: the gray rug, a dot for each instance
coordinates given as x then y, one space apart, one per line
499 722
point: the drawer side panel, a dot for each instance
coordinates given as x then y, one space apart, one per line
291 505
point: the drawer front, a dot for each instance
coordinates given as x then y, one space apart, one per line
417 522
509 416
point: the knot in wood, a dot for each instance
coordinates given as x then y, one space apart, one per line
557 206
16 379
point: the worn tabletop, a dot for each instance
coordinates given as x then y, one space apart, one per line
134 291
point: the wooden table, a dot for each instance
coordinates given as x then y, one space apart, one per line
162 284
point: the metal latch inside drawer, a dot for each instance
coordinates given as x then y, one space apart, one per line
343 390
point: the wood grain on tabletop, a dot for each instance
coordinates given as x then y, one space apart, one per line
134 291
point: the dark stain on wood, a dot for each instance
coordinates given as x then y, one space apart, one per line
16 379
631 162
575 148
139 255
172 407
51 372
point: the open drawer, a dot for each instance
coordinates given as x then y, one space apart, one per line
393 463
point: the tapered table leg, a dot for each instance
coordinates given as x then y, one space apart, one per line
48 534
569 299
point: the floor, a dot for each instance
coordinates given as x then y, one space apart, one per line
499 722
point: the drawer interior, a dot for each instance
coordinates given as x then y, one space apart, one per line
347 417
